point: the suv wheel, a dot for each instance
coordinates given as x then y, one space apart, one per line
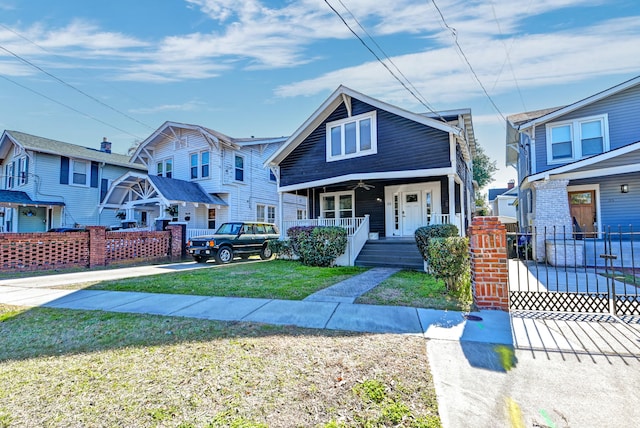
266 252
224 255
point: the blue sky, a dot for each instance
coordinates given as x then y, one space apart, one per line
261 68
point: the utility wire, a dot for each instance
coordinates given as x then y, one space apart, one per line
454 34
73 87
389 59
507 58
68 106
381 61
25 38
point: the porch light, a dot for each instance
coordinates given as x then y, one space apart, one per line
624 188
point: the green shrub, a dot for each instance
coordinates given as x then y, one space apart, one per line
449 261
282 249
425 233
296 233
320 246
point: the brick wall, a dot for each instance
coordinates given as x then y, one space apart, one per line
488 259
96 247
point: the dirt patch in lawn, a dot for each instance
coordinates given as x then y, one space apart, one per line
81 368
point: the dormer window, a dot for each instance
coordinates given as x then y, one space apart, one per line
352 137
576 139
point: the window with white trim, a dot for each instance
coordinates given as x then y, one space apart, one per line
352 137
23 170
301 214
577 139
336 205
239 167
164 168
266 213
199 165
80 172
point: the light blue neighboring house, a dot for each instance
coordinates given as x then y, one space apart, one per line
49 184
579 165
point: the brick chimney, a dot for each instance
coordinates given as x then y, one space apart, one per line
511 184
105 146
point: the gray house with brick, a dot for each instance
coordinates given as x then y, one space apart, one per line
579 165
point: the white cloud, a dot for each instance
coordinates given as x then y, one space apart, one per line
188 106
537 60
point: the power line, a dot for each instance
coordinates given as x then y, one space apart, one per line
507 57
382 62
73 87
454 34
68 106
387 57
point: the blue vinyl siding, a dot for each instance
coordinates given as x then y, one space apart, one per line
402 145
617 209
624 127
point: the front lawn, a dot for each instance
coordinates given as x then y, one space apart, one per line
415 289
276 279
62 368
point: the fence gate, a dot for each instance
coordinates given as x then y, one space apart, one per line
556 271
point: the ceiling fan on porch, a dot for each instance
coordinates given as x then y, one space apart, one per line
362 185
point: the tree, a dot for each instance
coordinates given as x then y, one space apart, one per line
483 167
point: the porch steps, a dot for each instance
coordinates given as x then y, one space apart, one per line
398 253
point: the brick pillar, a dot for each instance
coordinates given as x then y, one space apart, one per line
488 258
176 246
97 243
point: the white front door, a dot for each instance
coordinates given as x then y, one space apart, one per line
411 212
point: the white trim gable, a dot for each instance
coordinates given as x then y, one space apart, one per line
329 106
585 102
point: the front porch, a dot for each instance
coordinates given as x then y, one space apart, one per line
359 235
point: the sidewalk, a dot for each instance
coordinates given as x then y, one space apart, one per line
331 308
518 369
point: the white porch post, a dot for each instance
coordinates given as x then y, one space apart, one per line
452 198
130 214
281 214
463 204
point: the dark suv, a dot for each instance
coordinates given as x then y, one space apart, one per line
243 239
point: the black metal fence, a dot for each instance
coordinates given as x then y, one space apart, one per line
562 270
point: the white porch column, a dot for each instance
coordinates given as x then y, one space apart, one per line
463 204
551 208
452 199
130 214
281 214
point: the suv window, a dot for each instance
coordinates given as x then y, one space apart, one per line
247 229
260 228
229 229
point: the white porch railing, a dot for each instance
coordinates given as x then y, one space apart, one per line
355 242
199 232
446 219
351 223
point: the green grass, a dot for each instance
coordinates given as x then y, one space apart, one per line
63 368
415 289
276 279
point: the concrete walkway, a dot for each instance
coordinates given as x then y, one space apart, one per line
490 368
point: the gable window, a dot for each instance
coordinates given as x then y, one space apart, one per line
352 137
272 176
23 170
79 172
199 165
9 174
239 168
164 168
577 139
204 164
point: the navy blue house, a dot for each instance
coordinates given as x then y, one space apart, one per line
377 169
